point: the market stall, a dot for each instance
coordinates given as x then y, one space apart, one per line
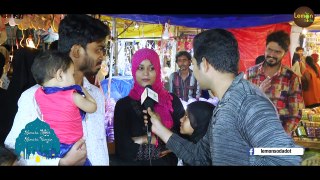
250 31
307 135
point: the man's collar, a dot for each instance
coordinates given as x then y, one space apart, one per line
227 95
237 78
86 83
261 69
189 72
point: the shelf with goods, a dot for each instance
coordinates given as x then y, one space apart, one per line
307 135
308 131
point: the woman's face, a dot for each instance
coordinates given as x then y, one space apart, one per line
185 126
145 74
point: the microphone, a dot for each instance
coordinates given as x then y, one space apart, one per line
148 99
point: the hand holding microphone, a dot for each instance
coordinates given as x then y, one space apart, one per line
148 100
158 128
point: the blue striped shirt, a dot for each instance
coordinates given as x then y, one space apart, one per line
244 118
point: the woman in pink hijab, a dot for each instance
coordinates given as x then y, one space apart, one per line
131 143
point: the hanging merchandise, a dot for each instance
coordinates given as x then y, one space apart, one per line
166 34
26 22
30 38
185 43
48 36
29 42
151 44
188 44
3 31
56 21
313 43
3 34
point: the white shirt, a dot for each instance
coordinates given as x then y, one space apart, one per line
296 68
93 128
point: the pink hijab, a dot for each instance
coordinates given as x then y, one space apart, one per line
164 106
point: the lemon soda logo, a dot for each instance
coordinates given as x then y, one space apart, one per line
303 16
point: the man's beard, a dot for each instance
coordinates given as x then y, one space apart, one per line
89 72
277 62
184 68
87 68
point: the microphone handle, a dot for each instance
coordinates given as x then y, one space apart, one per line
149 124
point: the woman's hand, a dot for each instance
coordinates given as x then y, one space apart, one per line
144 139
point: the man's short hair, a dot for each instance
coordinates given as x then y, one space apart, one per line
183 53
299 48
47 63
80 29
219 47
280 37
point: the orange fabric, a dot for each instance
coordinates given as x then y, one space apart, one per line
312 95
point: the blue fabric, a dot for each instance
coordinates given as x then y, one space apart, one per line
51 90
64 149
209 21
120 86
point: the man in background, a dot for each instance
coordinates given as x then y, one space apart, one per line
279 82
244 118
182 82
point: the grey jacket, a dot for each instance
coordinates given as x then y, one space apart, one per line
244 118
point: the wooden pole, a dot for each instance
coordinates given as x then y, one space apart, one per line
115 45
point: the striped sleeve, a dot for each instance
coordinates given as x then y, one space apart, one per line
262 129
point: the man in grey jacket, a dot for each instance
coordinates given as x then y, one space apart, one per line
244 118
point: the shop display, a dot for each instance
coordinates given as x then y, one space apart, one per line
307 135
309 126
313 42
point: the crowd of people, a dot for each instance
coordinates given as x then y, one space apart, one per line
260 108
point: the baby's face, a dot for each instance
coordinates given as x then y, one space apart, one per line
185 126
